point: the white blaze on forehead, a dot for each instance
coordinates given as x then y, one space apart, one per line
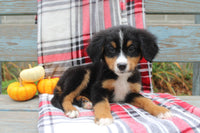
121 59
121 37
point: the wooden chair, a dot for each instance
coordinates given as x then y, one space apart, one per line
177 42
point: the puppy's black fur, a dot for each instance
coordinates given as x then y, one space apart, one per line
145 41
112 77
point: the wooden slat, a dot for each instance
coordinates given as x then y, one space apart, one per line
196 79
0 79
18 116
197 19
177 42
18 122
196 70
151 6
172 6
7 104
18 43
193 100
10 7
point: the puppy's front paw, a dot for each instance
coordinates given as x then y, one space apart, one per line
87 105
165 115
72 114
104 121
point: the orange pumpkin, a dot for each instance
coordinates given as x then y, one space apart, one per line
47 85
21 91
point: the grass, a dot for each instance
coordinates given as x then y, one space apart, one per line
5 85
174 78
11 71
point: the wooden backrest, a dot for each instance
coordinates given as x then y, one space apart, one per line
177 42
18 42
180 42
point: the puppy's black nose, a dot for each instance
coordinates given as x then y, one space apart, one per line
121 66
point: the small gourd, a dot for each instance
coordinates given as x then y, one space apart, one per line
21 91
47 85
32 74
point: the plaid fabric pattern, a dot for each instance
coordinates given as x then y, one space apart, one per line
127 118
65 27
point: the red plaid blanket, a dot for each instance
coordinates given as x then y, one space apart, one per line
127 118
65 27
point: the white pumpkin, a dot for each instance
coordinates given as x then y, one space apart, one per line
32 74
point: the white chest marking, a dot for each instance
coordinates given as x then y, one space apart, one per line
122 87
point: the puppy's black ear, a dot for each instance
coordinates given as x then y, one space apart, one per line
149 45
96 47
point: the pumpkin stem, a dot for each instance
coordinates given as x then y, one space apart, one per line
20 81
29 65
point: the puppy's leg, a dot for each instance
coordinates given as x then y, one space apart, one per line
140 101
83 102
69 109
56 100
102 113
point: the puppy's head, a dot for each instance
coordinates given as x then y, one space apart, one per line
122 47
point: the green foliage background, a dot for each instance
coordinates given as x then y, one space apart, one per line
171 77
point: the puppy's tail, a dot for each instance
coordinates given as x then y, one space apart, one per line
56 100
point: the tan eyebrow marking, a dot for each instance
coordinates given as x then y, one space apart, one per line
113 44
129 43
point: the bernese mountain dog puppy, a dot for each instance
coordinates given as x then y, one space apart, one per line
112 77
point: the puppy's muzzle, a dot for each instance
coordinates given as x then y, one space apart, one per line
122 66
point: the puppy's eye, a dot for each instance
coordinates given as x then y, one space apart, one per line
111 49
131 49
